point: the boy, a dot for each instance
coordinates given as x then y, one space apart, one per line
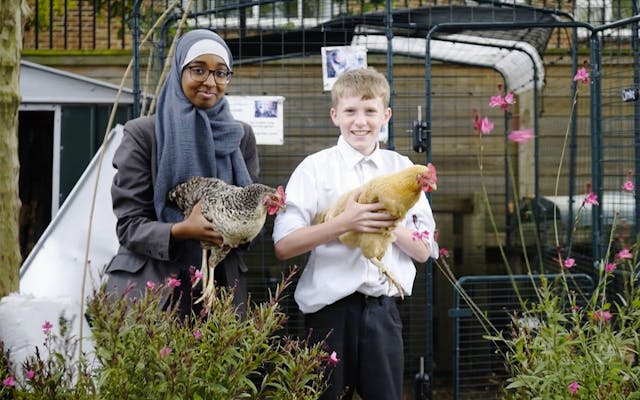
343 295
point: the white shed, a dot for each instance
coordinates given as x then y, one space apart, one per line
62 121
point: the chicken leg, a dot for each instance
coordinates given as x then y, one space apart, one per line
211 257
208 286
386 272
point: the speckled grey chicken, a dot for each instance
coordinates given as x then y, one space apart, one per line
237 213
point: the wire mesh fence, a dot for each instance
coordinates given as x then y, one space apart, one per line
533 191
479 369
531 51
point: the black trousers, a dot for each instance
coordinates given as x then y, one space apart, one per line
366 334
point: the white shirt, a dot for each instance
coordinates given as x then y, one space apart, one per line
334 270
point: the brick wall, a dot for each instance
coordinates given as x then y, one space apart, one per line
75 29
73 24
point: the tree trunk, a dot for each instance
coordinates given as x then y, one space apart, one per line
11 15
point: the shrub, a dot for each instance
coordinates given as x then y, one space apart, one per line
581 352
143 352
569 344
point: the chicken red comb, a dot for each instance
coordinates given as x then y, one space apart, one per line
432 170
282 194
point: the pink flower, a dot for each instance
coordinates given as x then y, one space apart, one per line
333 359
424 235
165 351
602 315
624 254
444 252
9 382
591 198
610 267
521 136
46 327
573 387
31 374
481 125
582 76
476 120
197 334
486 126
576 308
628 186
194 274
502 102
150 284
496 101
569 263
173 282
510 98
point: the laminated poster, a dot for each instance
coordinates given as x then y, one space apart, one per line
264 113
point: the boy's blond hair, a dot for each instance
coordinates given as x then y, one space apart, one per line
365 82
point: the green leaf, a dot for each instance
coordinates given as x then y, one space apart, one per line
516 385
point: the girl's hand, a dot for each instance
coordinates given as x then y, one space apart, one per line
196 227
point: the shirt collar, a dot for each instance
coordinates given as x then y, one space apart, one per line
352 156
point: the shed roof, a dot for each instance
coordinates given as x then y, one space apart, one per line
45 85
515 51
518 62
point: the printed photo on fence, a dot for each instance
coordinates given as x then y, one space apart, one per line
338 59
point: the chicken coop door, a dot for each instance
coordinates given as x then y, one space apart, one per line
35 151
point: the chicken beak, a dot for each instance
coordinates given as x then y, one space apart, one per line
430 187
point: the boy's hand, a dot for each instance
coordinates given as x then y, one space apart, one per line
365 217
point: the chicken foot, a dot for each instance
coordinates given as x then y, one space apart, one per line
208 284
392 279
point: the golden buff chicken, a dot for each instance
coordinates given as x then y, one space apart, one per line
237 213
397 192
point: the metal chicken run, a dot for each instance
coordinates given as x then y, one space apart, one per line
443 60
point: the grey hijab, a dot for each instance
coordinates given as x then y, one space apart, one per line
194 141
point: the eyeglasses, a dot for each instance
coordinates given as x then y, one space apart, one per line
201 74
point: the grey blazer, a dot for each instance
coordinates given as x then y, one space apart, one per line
147 252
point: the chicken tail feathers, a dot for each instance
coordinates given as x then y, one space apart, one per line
390 276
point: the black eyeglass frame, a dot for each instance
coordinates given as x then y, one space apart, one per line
220 76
